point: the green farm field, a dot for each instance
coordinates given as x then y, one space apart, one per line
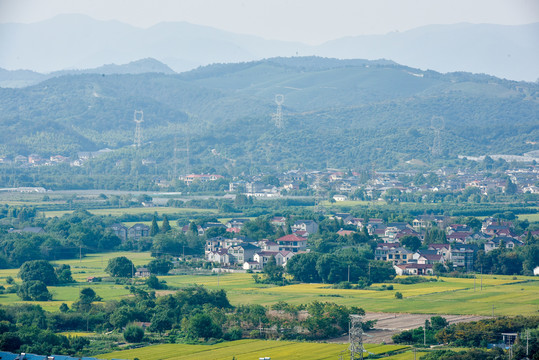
508 295
529 217
247 349
134 211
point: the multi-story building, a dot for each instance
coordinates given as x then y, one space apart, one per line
292 243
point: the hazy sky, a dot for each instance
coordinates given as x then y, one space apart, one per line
309 21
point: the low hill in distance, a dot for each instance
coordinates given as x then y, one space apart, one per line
341 113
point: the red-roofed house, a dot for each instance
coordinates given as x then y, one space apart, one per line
292 243
345 232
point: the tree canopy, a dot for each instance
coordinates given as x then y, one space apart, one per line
120 267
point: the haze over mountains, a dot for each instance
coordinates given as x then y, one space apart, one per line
80 42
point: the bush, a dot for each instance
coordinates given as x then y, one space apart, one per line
133 334
34 290
398 295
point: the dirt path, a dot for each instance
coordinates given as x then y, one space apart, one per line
389 324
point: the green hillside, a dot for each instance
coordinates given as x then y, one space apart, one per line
346 113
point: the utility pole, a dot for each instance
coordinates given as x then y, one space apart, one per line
481 277
527 343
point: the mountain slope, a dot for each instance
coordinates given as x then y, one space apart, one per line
346 113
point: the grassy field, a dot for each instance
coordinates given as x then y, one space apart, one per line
448 296
91 265
529 217
134 211
445 297
247 349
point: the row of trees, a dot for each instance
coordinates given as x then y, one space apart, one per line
345 266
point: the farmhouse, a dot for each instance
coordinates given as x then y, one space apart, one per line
138 231
413 269
292 243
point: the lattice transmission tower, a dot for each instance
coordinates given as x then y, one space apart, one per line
356 337
437 124
278 116
138 118
318 207
187 150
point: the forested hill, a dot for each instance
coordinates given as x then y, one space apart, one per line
345 113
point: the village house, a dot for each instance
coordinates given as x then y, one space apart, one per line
342 232
119 230
309 226
238 254
429 258
441 249
460 237
262 257
358 222
236 223
340 197
278 221
28 229
428 221
142 272
138 231
215 243
218 256
413 269
463 255
268 245
461 228
292 243
189 179
502 242
392 252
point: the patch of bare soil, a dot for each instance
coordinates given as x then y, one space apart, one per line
388 324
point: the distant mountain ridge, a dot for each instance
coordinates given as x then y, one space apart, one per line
77 41
22 78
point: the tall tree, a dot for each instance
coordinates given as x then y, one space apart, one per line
38 270
154 229
273 271
120 267
410 242
165 227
